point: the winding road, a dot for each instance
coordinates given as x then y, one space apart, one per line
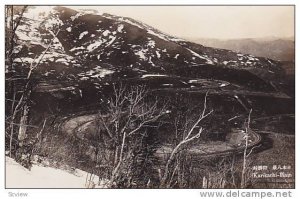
78 125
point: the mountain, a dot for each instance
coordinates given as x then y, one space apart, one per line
282 49
83 47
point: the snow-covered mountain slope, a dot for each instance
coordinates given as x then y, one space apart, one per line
85 45
44 177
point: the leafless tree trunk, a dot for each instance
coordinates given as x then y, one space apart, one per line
164 182
11 26
119 162
247 132
22 103
19 106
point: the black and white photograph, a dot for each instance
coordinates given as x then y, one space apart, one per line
149 96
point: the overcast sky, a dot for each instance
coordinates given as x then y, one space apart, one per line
220 22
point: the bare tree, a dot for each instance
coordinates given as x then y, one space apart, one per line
216 175
13 17
245 155
19 96
122 128
189 135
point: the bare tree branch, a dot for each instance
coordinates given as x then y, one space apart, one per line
26 93
188 138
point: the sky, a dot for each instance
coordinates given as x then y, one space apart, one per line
221 22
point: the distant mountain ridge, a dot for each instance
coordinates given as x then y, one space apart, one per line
282 49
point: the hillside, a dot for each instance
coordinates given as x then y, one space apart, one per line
94 94
89 46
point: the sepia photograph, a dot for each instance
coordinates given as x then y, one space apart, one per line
149 96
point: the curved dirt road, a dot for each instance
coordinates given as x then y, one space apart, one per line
78 125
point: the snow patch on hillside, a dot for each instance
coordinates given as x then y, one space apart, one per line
83 34
69 29
153 75
158 54
28 32
97 72
94 45
77 48
76 16
130 22
208 61
53 23
38 12
23 36
120 27
112 39
151 43
149 29
106 33
44 177
142 54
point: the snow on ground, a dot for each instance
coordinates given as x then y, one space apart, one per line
51 56
223 84
193 81
127 21
87 11
36 12
142 54
97 72
22 36
150 61
44 177
24 60
158 54
75 16
153 75
151 43
29 32
175 39
120 27
83 34
270 62
52 22
77 48
208 61
69 29
225 62
106 33
112 39
57 45
95 44
149 29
